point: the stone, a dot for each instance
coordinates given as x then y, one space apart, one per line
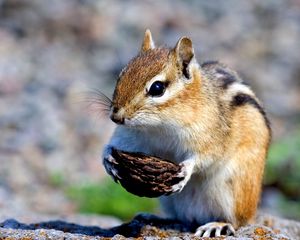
145 226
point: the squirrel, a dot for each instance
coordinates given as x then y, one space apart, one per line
203 117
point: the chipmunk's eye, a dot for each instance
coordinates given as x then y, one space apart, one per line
157 89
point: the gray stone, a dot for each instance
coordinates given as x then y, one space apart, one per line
146 226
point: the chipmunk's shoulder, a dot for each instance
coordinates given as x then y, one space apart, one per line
220 75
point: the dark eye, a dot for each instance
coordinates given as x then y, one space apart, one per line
157 89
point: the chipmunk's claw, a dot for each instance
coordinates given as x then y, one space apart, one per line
215 229
185 174
179 186
109 163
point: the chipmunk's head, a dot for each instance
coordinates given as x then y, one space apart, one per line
157 86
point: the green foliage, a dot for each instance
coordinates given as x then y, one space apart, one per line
283 172
109 198
56 179
283 165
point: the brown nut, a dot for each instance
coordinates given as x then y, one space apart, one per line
145 176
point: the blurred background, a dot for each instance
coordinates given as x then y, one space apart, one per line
52 52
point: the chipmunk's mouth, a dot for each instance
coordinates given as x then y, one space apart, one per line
133 123
119 121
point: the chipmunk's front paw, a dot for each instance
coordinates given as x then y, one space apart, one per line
109 163
179 186
185 173
215 229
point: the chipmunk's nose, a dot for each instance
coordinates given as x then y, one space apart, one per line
115 117
117 120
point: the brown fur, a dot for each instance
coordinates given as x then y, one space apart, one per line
188 100
138 71
249 148
234 134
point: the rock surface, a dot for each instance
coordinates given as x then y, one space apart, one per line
144 226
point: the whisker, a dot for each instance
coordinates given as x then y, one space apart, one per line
100 96
96 102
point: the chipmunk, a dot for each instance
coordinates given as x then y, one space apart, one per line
202 117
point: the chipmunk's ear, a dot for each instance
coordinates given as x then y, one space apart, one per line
184 53
148 42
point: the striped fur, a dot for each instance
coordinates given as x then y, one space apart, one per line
207 115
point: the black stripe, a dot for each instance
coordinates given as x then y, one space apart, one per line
226 78
242 99
207 63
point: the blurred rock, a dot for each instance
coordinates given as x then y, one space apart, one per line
52 52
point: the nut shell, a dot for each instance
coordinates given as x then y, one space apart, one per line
145 176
